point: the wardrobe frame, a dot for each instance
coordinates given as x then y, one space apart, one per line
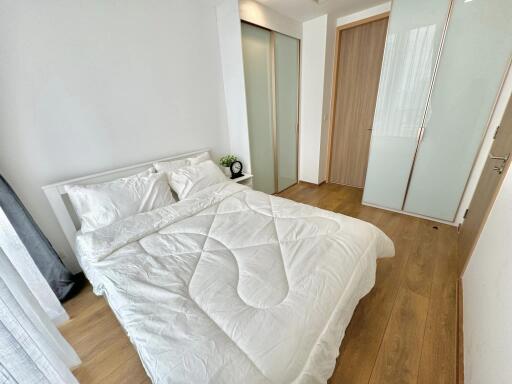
455 221
421 130
274 106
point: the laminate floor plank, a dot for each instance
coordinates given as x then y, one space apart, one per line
366 330
439 352
106 352
400 351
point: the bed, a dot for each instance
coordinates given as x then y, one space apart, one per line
231 285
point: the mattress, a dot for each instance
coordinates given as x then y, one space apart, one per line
234 286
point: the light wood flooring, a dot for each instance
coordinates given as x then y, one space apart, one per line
403 331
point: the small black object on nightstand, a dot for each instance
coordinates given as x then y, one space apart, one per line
236 169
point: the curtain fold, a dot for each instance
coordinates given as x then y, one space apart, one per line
31 348
39 248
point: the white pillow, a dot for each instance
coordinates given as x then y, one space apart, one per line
189 180
172 165
98 205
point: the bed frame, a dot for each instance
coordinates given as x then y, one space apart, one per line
61 205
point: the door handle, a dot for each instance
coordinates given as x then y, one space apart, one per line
502 158
420 133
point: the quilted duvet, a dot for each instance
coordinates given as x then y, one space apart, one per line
234 286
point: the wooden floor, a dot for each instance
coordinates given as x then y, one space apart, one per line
403 331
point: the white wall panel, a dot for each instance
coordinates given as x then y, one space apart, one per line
311 101
487 287
87 86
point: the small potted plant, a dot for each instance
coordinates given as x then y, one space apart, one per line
226 161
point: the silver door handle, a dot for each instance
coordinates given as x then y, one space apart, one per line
502 158
419 137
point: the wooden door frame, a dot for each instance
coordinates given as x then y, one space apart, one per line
460 335
334 87
462 266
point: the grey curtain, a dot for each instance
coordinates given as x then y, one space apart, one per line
58 276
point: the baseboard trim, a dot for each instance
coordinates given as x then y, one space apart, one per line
460 334
287 188
311 184
453 224
61 318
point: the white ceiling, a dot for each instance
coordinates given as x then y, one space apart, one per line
303 10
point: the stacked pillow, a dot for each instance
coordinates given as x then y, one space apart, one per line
99 205
188 176
191 179
172 165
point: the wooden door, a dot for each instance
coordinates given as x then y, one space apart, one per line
487 188
360 52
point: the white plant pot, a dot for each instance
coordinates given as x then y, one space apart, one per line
227 171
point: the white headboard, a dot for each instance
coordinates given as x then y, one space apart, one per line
61 206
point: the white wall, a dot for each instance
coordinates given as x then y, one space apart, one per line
487 290
364 14
497 115
87 86
230 45
258 14
312 87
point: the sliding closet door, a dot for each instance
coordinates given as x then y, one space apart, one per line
412 44
256 43
475 57
287 102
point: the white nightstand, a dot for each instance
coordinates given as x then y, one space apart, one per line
245 180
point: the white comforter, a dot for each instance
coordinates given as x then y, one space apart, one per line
235 286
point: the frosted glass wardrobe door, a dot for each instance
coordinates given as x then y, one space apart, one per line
256 49
475 56
412 44
287 98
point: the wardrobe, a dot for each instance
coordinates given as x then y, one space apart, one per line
444 63
271 69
